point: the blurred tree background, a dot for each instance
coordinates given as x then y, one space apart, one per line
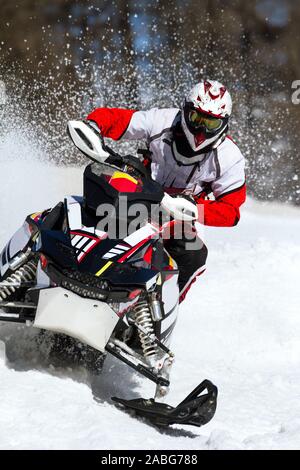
61 58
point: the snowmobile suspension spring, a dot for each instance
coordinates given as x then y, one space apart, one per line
143 318
24 274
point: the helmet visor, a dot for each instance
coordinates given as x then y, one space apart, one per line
197 119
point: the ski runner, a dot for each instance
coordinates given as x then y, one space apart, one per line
191 153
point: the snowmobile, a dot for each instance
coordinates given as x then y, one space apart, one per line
63 272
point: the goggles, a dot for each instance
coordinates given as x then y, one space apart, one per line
197 119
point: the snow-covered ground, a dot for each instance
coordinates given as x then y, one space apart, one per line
239 327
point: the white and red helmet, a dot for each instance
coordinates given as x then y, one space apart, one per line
205 114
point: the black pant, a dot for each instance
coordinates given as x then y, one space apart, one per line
190 256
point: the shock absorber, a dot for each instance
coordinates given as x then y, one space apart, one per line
143 318
11 284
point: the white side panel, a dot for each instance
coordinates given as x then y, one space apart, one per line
90 321
170 293
74 213
42 280
140 235
170 297
167 322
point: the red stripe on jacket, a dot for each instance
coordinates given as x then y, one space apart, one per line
225 211
112 122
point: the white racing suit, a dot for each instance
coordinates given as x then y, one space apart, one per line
178 169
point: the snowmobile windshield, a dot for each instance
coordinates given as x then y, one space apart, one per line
105 183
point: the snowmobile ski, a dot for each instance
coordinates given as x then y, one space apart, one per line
196 409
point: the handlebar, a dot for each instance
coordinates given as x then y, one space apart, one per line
90 142
88 139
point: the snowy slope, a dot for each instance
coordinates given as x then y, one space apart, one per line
239 327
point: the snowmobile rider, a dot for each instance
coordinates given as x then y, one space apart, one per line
191 153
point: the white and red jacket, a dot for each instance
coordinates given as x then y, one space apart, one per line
221 169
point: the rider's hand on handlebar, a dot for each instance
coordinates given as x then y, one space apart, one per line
181 207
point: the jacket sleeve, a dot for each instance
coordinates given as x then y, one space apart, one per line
112 122
117 123
225 210
229 189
